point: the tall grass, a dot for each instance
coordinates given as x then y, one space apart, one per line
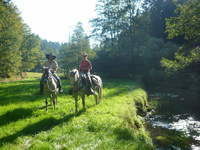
113 124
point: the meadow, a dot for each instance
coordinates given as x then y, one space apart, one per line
112 124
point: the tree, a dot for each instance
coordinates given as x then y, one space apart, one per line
11 36
50 47
158 11
186 24
31 53
70 53
129 42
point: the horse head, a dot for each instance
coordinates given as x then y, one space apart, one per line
74 75
47 72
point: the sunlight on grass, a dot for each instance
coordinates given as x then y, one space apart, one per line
113 124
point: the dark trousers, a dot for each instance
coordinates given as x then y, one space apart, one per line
88 78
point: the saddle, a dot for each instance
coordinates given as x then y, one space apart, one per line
85 81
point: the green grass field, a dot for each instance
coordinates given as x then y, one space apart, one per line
113 124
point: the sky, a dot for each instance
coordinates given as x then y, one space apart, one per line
54 20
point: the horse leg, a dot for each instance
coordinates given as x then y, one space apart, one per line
76 104
83 101
46 103
54 100
100 93
52 97
96 97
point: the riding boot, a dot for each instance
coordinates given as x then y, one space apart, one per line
59 87
58 83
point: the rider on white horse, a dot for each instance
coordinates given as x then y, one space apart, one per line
53 65
85 68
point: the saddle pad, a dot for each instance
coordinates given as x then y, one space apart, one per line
94 79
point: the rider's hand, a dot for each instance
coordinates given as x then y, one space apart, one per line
52 71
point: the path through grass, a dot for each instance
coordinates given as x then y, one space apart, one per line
24 123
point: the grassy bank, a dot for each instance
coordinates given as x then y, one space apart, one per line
113 124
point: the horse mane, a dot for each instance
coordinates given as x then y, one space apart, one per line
75 74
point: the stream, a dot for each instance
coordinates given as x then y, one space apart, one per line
174 124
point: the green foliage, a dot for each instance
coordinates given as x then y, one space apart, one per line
140 98
19 48
11 36
30 51
181 61
50 47
131 43
134 42
185 24
158 11
99 127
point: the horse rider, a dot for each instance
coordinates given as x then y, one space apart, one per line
53 65
85 68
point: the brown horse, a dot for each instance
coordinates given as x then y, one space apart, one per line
79 89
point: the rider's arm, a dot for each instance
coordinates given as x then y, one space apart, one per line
89 66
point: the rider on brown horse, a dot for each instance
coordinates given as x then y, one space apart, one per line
53 65
85 68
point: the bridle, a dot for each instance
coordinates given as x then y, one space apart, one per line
74 74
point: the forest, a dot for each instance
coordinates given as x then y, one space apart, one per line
153 42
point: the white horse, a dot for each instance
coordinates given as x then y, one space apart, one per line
50 88
79 89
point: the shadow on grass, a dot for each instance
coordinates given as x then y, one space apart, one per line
18 87
117 92
15 115
19 93
118 87
33 129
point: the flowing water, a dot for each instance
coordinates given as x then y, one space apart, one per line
175 123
